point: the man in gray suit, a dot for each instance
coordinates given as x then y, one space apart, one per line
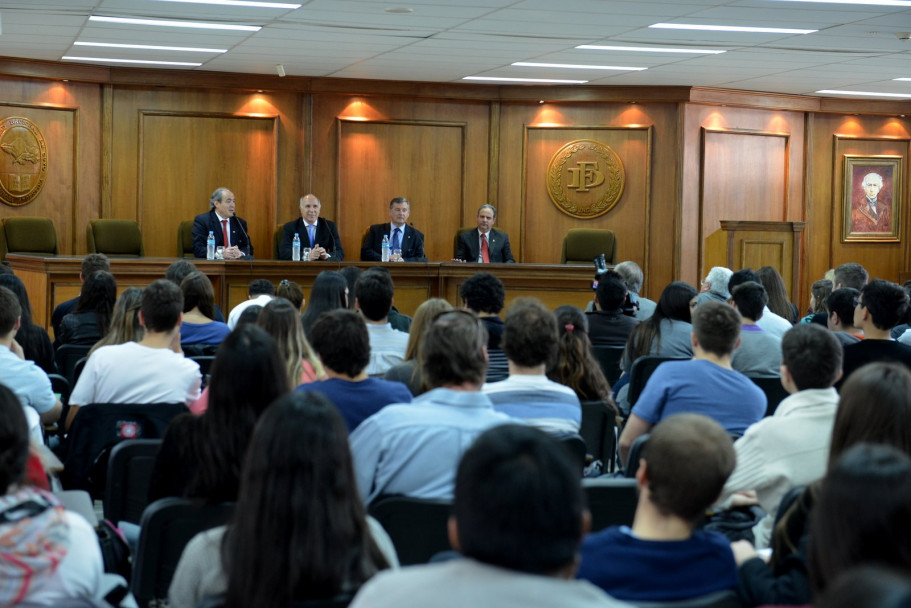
485 245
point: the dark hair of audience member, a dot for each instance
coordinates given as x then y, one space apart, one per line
178 271
292 292
886 302
329 292
870 586
259 287
161 306
820 290
842 302
341 340
750 299
689 457
249 315
423 316
530 333
374 291
742 276
518 501
35 343
247 375
10 310
198 293
5 268
282 321
778 294
125 325
874 407
99 291
673 305
813 356
351 273
851 275
483 292
611 291
717 327
94 262
14 439
575 365
862 515
452 350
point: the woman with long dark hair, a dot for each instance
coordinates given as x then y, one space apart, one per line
778 294
199 325
667 332
329 291
35 343
299 531
575 365
91 317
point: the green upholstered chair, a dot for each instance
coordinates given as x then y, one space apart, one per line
33 235
114 238
582 245
185 240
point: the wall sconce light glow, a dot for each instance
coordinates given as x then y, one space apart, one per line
149 47
251 3
864 93
167 23
729 28
647 49
575 66
137 61
538 80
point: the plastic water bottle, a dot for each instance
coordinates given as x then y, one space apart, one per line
296 248
385 249
210 246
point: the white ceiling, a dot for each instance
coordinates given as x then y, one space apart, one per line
856 47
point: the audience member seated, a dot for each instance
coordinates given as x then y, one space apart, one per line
778 294
706 385
91 316
412 449
633 277
292 292
152 370
759 353
125 326
607 324
867 586
351 273
198 325
399 321
899 330
662 557
201 456
485 295
374 293
851 275
575 365
299 531
35 343
881 305
715 285
819 293
329 292
178 271
840 320
408 372
530 343
259 294
517 520
282 321
91 263
769 322
29 383
791 447
48 556
667 332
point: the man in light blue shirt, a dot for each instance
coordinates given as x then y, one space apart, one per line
373 295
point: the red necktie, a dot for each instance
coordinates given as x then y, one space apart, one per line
224 232
485 250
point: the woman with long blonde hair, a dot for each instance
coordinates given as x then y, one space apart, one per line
409 371
282 321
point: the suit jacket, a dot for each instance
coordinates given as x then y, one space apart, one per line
498 243
326 236
204 222
412 244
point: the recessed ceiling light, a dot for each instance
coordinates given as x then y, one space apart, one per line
863 93
140 61
540 80
399 10
729 28
240 3
575 66
902 79
647 49
150 47
905 3
165 23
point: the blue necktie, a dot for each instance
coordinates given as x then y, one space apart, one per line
311 229
396 239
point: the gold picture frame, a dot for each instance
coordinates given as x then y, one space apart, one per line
872 195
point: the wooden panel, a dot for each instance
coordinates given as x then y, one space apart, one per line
422 161
756 253
176 151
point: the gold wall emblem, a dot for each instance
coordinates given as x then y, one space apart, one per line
23 161
585 179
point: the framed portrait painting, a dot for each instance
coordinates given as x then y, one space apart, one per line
871 198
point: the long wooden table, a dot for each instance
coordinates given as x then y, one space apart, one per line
54 279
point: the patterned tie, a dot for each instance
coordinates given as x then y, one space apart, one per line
396 239
311 232
224 232
485 250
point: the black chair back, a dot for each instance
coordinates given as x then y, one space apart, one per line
417 526
66 356
641 370
609 358
598 430
340 601
775 393
129 476
611 500
727 598
577 450
77 370
635 453
205 364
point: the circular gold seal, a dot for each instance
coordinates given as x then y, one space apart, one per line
585 179
23 162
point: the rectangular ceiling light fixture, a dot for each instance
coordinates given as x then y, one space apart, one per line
576 66
139 61
904 3
249 3
729 28
864 93
149 47
538 80
647 49
167 23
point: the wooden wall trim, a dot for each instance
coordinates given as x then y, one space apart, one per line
754 99
107 146
493 159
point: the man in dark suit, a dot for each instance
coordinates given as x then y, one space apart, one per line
221 221
485 245
317 233
401 236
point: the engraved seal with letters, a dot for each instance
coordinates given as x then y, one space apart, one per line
585 179
23 161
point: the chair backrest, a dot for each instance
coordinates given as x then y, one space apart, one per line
577 450
632 458
609 358
205 363
417 527
129 476
598 430
61 386
77 369
727 598
118 238
67 356
341 601
28 235
775 393
185 239
167 526
641 371
98 427
455 240
611 500
277 241
582 245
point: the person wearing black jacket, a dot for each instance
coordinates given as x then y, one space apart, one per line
324 243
